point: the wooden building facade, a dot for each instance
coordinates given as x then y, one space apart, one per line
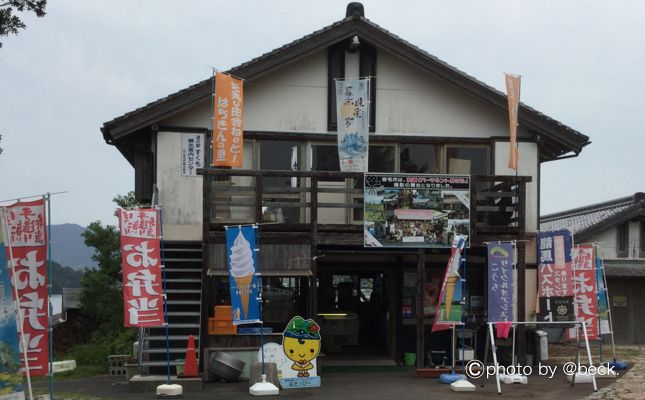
426 117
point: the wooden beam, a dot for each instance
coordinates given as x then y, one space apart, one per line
421 281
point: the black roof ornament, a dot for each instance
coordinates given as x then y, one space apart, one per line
355 10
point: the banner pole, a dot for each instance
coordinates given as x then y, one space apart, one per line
49 296
165 293
17 301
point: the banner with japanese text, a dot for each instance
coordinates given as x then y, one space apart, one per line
500 281
241 245
192 153
26 250
555 276
584 289
353 121
602 299
10 368
450 310
141 261
513 96
228 139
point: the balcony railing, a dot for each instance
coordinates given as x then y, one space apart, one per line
300 200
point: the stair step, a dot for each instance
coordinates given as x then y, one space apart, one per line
184 280
183 291
172 259
183 314
182 325
183 270
170 337
184 302
181 249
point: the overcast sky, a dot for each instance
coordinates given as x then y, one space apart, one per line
87 62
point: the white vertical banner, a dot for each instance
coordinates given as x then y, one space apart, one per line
192 153
352 110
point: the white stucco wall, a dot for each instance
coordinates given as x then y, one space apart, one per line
180 196
411 101
290 99
608 240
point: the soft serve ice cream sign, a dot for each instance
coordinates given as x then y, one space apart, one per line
240 242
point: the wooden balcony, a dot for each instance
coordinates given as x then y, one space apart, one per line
326 208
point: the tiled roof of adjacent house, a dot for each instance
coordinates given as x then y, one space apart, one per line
588 219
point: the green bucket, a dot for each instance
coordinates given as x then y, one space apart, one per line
410 359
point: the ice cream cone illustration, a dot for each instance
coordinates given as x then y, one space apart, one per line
243 286
242 269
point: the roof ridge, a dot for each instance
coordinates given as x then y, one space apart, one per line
589 208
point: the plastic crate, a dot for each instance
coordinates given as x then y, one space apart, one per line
223 313
216 327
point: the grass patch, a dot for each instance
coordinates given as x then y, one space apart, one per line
66 395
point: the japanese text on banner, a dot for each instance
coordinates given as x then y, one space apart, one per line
26 250
228 139
500 282
352 110
141 259
584 289
555 276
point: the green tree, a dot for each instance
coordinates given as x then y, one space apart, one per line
101 297
9 22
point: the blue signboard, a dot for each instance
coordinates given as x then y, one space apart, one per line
500 281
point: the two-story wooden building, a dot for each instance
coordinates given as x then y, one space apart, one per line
426 117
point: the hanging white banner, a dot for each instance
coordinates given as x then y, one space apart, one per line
352 110
192 153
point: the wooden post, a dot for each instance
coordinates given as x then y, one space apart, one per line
521 303
313 220
421 281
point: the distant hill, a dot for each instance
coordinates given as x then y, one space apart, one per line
68 247
64 277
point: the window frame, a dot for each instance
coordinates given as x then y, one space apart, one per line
622 240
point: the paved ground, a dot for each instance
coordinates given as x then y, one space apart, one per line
390 385
630 386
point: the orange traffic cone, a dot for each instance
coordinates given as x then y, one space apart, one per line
190 368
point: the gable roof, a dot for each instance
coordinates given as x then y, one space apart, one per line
556 139
583 222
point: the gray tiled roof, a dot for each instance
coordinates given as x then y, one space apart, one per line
586 218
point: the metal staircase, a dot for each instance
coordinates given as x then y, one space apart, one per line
183 263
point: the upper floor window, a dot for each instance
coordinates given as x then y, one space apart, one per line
419 158
622 242
467 160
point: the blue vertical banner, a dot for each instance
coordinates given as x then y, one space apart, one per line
241 245
11 387
601 292
500 281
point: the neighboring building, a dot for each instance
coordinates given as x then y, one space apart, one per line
426 117
618 227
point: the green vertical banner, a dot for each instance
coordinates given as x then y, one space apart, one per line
11 387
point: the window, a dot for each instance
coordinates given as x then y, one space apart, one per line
467 160
622 245
419 158
281 155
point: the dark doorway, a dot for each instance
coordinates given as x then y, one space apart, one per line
354 311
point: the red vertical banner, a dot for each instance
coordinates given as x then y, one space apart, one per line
228 139
584 289
513 96
26 250
141 260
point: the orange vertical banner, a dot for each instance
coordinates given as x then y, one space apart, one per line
513 95
228 139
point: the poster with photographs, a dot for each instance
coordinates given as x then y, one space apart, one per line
404 210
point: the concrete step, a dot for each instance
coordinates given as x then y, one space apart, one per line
184 313
191 291
184 302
